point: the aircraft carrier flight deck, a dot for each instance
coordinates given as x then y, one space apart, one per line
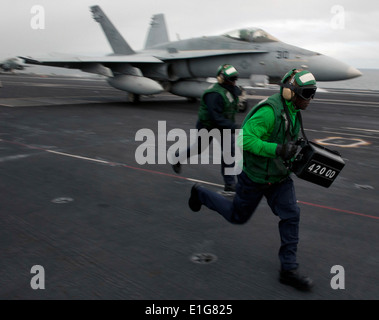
75 202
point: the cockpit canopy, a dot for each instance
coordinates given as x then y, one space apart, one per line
251 35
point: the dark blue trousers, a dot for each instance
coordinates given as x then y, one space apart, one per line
280 197
228 179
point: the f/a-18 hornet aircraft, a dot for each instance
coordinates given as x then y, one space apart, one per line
182 67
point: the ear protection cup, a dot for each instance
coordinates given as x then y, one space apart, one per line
287 94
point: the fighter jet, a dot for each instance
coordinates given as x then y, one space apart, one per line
184 67
12 64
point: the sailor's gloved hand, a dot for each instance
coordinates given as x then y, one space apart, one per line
286 151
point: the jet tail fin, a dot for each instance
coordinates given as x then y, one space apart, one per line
115 39
158 31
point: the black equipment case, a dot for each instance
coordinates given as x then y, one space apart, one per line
317 164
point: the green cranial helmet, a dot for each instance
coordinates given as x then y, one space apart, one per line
228 72
305 78
301 82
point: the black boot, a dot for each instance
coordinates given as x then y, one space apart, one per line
194 201
229 190
177 167
294 279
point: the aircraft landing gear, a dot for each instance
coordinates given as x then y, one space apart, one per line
192 100
133 98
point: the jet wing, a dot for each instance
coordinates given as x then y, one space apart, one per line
103 65
98 65
154 57
65 61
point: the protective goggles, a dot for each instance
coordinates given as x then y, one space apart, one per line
306 93
232 79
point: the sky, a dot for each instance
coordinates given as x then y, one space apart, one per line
347 30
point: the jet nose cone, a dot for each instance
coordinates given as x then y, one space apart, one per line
353 73
325 68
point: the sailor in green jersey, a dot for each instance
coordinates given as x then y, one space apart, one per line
218 107
270 132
